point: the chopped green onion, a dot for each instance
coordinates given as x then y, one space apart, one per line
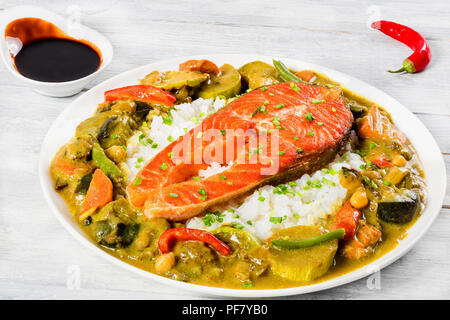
163 166
137 181
309 117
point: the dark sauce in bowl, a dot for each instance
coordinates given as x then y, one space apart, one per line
56 60
48 54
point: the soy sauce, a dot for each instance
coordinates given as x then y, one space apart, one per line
48 54
56 60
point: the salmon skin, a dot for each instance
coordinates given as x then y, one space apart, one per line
296 128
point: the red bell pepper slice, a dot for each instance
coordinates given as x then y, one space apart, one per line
169 237
382 162
141 92
347 218
204 66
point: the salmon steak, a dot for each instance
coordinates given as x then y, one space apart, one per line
268 135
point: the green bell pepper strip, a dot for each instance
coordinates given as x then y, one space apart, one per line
102 161
297 244
284 72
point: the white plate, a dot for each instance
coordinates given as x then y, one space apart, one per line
64 127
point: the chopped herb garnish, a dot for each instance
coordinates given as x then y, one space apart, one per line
261 198
202 191
255 112
247 285
114 136
208 220
194 120
231 210
320 124
311 134
154 146
168 120
263 88
163 166
316 101
141 139
279 106
276 219
361 153
296 138
386 183
203 198
294 87
173 195
270 94
229 183
137 181
299 150
196 178
249 223
372 145
223 177
309 117
333 109
281 153
222 131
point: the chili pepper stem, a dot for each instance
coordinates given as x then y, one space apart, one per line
397 71
408 66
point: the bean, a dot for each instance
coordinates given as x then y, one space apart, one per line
164 262
359 199
399 161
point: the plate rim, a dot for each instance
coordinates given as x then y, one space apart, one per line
402 248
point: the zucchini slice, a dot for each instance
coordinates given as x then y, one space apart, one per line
303 264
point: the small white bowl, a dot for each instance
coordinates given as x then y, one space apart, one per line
74 30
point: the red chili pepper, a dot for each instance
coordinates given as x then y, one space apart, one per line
169 237
141 92
421 55
382 162
347 217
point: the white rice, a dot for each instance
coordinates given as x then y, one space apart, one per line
309 200
186 116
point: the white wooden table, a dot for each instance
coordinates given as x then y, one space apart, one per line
38 257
